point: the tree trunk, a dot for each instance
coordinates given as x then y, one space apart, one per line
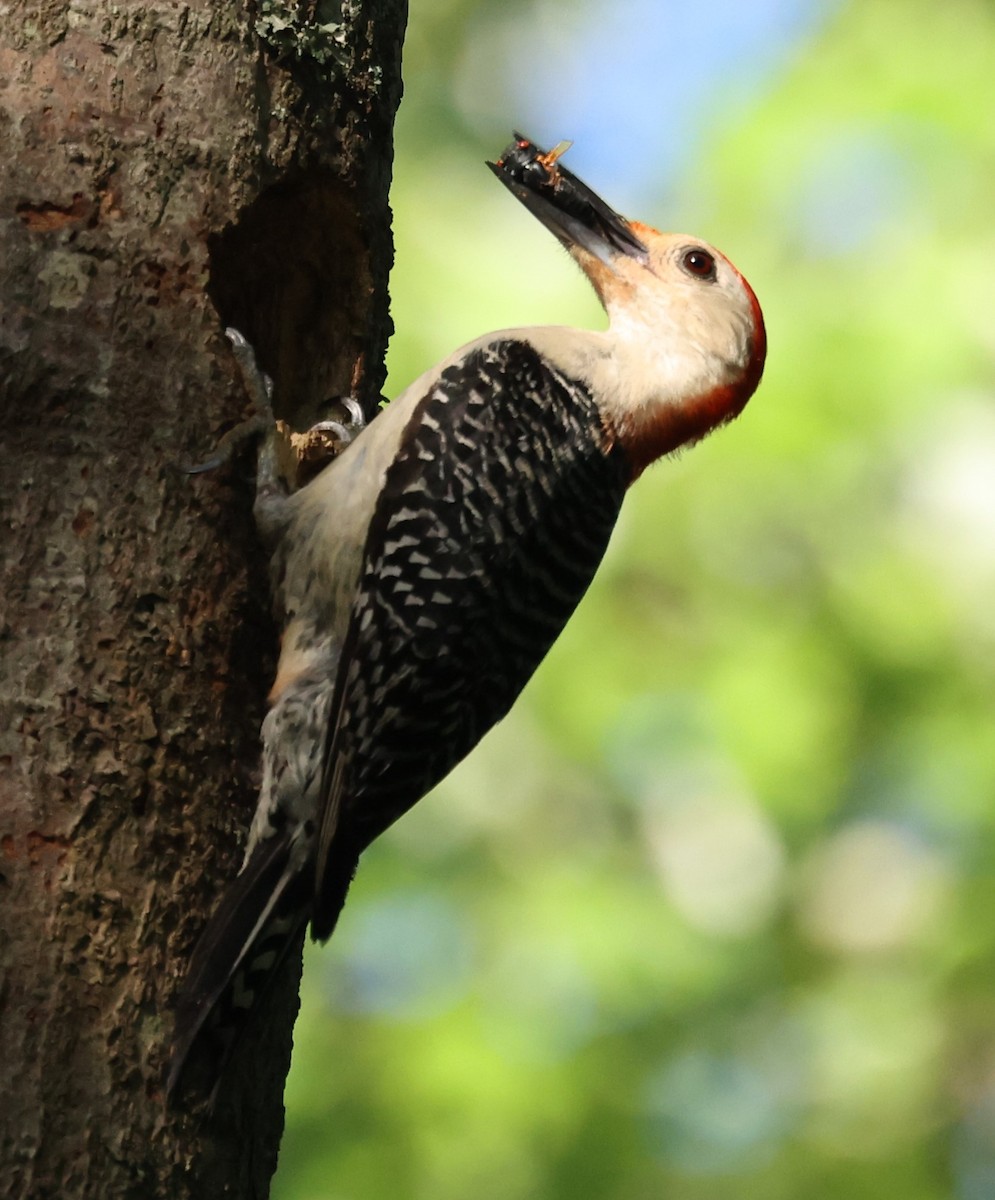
168 169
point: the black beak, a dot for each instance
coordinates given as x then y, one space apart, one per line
564 204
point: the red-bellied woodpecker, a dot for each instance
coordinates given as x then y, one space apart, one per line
424 574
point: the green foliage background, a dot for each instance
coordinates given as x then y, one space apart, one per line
712 913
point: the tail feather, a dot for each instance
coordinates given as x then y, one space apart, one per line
239 953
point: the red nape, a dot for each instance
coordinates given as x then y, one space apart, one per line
673 426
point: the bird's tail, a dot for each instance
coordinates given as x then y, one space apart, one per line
238 956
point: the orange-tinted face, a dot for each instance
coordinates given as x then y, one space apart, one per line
690 331
687 335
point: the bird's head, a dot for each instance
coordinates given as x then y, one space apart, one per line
687 333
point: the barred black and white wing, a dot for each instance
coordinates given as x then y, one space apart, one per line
493 518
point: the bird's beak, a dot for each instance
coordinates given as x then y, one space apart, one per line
564 204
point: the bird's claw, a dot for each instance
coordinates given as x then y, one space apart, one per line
233 440
257 383
344 431
260 389
310 445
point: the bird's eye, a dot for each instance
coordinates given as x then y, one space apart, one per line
699 263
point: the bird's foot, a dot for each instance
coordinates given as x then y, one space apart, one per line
343 431
260 389
325 440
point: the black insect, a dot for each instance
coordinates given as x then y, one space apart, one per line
529 172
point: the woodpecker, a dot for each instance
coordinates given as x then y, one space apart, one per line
423 575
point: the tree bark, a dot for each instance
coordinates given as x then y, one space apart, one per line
168 169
